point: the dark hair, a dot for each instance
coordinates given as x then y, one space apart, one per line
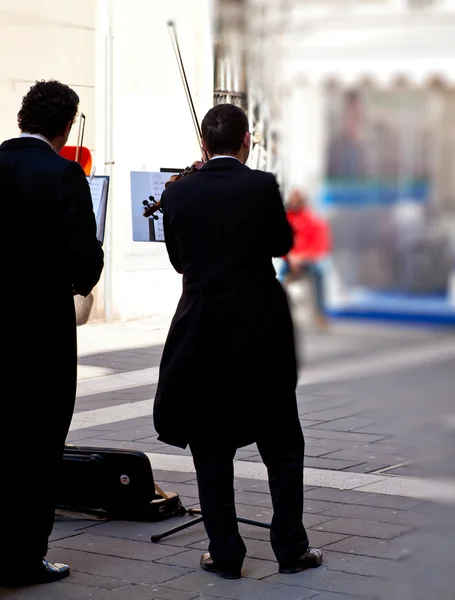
47 109
223 128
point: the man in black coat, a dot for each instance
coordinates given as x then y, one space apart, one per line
50 253
228 372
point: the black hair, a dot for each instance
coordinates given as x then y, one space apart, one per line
223 129
47 109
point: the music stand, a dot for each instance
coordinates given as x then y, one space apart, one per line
197 511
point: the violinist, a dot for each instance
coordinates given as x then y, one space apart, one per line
228 372
52 253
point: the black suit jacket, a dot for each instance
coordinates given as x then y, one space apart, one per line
49 248
47 205
228 370
223 225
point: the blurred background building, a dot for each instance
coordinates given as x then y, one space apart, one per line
351 101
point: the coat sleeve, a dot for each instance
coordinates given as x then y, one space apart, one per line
281 234
169 239
84 254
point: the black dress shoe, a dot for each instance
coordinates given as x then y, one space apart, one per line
208 565
44 572
310 559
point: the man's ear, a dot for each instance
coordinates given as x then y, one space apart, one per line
247 139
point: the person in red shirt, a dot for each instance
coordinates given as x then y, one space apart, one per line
312 244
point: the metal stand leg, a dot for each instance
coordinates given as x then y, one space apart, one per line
197 511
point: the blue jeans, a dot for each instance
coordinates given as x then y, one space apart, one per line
314 271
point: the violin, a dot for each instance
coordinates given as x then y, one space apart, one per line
198 164
151 206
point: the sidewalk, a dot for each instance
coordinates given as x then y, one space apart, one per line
373 499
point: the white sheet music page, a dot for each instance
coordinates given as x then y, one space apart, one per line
159 228
157 181
143 185
98 190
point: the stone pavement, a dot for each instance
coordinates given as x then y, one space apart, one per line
377 406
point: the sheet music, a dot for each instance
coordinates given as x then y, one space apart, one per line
99 188
143 185
159 229
157 181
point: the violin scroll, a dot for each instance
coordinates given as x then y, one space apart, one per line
151 206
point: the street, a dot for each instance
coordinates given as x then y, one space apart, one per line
378 411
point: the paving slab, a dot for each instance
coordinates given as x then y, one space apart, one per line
323 579
347 424
329 463
94 581
360 527
354 422
175 477
132 571
335 596
62 590
376 513
367 467
330 414
334 495
394 549
385 501
259 549
142 531
370 454
252 568
146 592
135 434
362 565
187 490
327 434
239 589
120 548
317 506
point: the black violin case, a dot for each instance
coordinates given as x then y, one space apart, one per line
115 482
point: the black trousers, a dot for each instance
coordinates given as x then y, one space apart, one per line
34 422
28 505
215 476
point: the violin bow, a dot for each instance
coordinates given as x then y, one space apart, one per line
178 55
80 139
151 206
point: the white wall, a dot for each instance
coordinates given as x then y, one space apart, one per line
49 39
152 129
45 39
